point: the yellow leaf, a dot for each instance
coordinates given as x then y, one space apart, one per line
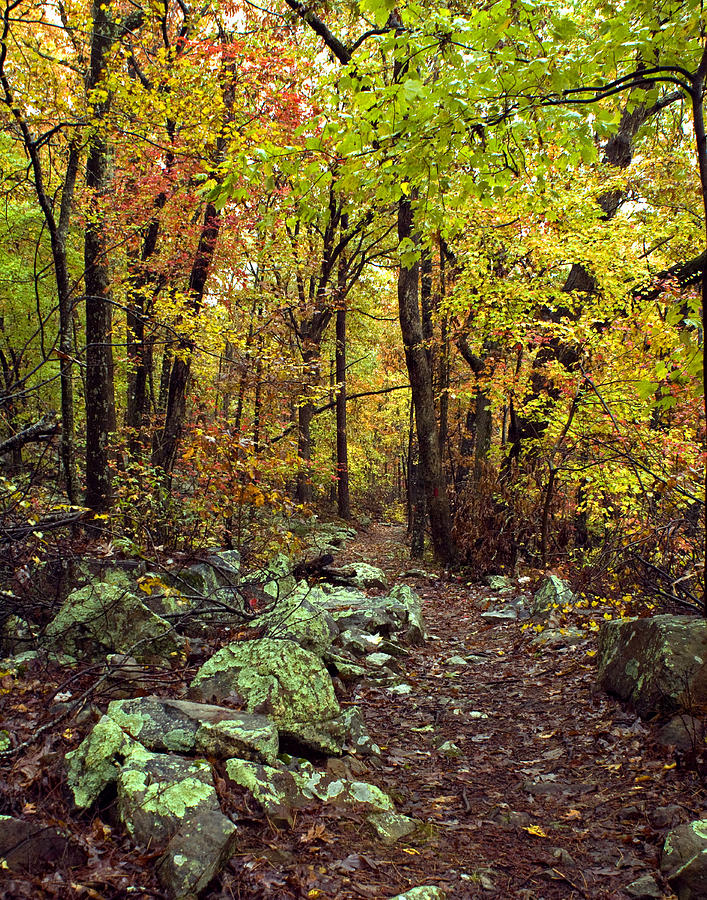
535 830
642 778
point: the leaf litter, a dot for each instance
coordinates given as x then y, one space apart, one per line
558 791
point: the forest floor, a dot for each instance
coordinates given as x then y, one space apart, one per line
558 790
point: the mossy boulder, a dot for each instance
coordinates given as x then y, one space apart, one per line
196 854
411 620
357 575
96 762
684 860
342 792
275 788
398 611
300 617
157 791
181 726
553 592
105 618
281 679
390 827
33 847
658 664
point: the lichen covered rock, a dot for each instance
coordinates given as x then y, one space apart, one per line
424 892
684 860
157 791
343 792
96 762
553 592
301 618
658 664
281 679
181 726
400 610
390 826
103 618
195 854
275 788
358 575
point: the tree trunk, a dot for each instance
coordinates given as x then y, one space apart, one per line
342 446
423 397
305 414
165 447
342 450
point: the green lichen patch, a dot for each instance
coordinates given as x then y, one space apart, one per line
195 854
274 676
241 737
300 618
181 726
104 618
391 827
276 789
424 892
96 762
156 792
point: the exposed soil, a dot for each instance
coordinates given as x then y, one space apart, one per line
557 792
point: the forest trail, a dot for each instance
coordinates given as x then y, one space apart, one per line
557 791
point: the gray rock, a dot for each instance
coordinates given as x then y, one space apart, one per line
17 635
32 847
658 664
104 617
342 792
96 762
280 678
555 638
391 827
300 618
358 740
450 750
425 892
277 580
357 575
276 789
553 592
359 642
684 860
181 726
499 582
455 661
684 732
667 816
156 792
505 614
196 854
644 888
126 677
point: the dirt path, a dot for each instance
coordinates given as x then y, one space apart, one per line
550 791
556 791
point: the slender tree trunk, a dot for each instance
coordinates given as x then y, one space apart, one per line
423 397
342 450
342 446
697 92
305 414
66 343
165 447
